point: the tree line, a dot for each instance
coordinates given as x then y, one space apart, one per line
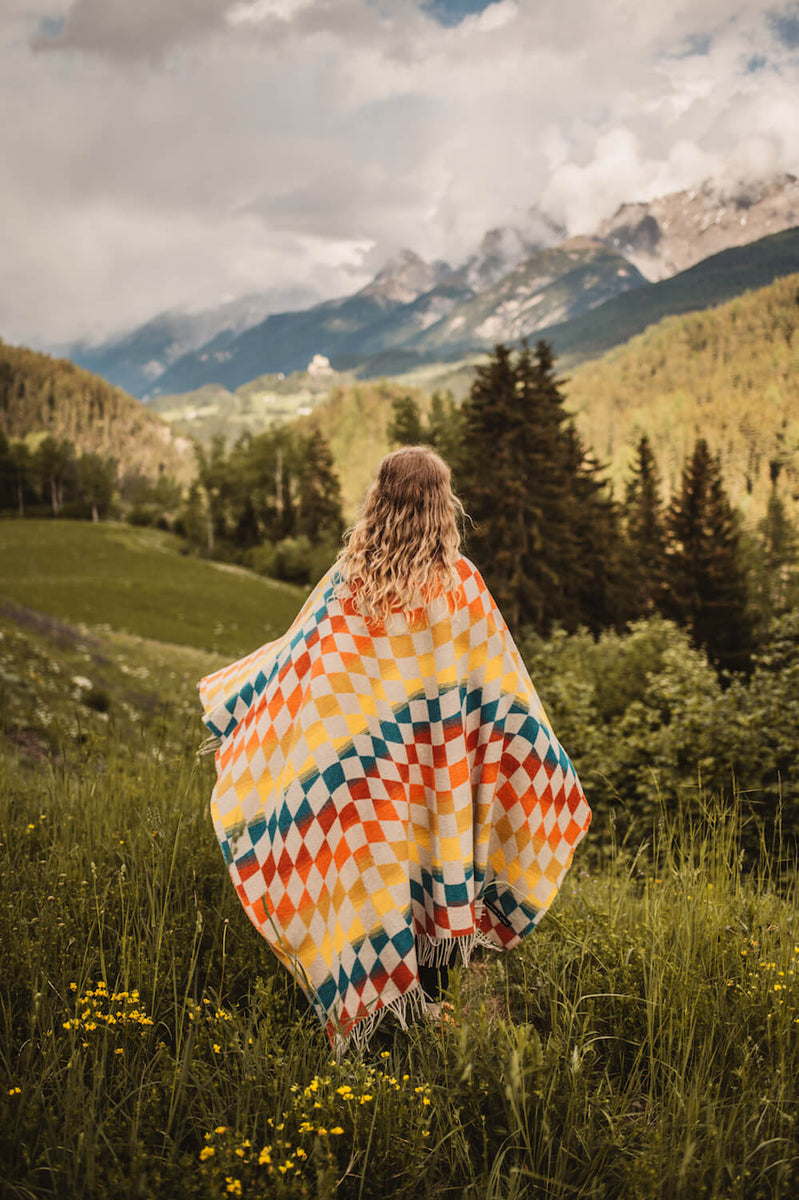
559 550
54 477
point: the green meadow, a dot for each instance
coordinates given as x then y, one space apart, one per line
643 1043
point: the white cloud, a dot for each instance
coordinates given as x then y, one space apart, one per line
164 154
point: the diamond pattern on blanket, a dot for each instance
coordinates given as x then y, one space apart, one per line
379 788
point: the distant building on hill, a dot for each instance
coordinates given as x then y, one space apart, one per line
319 366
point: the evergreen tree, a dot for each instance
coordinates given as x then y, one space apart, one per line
443 426
645 533
706 587
547 533
596 592
56 470
492 487
7 482
405 426
319 514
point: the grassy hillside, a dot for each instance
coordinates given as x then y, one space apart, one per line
643 1043
729 374
40 394
113 576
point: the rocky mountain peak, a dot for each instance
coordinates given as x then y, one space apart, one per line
671 233
503 248
404 277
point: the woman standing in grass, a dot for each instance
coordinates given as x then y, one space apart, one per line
389 791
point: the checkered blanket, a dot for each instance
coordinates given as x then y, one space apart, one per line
386 795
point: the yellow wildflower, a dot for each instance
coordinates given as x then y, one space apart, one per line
207 1152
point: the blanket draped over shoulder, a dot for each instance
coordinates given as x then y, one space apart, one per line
388 793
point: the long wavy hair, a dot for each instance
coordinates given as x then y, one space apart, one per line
402 551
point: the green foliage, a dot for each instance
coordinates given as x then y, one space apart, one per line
648 722
405 427
706 589
278 489
546 532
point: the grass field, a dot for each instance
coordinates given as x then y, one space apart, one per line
122 578
644 1043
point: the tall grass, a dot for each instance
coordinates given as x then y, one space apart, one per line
643 1043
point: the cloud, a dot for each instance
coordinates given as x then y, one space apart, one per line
131 29
164 154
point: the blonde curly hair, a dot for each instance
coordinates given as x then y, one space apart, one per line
402 551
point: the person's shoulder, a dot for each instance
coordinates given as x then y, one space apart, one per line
466 568
468 572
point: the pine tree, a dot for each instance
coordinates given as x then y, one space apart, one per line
405 426
444 426
596 591
706 587
645 534
491 485
547 533
319 513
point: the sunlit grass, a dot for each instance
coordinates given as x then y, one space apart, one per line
644 1043
137 580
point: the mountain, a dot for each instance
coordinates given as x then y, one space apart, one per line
288 341
550 286
521 278
135 360
141 360
40 394
670 234
716 279
444 319
504 248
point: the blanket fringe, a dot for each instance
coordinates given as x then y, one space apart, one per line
438 951
404 1009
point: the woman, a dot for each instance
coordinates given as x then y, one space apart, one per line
389 790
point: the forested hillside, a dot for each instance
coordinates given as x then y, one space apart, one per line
44 395
728 374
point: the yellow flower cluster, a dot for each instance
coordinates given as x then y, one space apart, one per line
312 1145
765 976
98 1008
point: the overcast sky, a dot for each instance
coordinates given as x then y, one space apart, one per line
158 154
